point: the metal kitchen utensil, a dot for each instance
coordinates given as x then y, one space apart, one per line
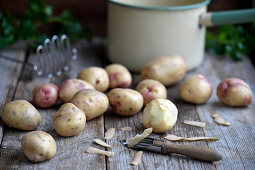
54 57
166 147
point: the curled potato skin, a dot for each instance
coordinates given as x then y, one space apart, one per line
92 102
119 76
196 89
71 86
20 114
69 120
38 146
45 95
125 102
234 92
96 76
151 89
167 69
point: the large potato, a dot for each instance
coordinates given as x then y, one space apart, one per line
196 89
234 92
45 95
71 86
160 115
151 89
125 102
167 70
119 76
96 76
92 102
69 120
22 115
38 146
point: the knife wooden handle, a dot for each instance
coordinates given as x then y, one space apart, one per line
200 153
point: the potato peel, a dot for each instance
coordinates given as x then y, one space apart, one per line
194 123
104 144
178 138
138 138
126 128
109 133
220 120
137 159
92 150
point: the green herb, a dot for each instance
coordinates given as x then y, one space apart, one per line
234 41
38 14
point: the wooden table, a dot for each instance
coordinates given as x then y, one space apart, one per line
237 142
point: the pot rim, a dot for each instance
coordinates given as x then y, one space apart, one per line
182 7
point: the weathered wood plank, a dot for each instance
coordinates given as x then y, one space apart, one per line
10 72
236 141
13 52
70 152
152 160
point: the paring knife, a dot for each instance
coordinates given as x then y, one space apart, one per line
166 147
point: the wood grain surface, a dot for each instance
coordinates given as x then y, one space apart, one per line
236 141
10 72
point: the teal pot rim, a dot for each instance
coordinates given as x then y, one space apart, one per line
183 7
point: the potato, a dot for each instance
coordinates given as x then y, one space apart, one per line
234 92
96 76
92 102
38 146
125 102
196 89
20 114
71 86
167 70
69 120
160 115
119 76
45 95
150 90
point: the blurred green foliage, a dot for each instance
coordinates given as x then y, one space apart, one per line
38 15
232 40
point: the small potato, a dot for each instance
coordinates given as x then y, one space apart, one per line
167 70
125 102
71 86
69 120
92 102
45 95
196 89
96 76
38 146
20 114
160 115
150 90
119 76
235 92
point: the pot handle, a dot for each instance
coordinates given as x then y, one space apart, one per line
227 17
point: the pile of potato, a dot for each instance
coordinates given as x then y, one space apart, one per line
84 99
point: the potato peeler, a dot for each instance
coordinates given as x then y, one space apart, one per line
166 147
54 57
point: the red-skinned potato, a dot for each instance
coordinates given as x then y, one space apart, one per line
92 102
234 92
167 69
196 89
125 102
96 76
119 76
71 86
151 89
45 95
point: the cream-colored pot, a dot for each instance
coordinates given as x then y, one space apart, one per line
142 30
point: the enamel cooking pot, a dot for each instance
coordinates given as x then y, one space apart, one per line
142 30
